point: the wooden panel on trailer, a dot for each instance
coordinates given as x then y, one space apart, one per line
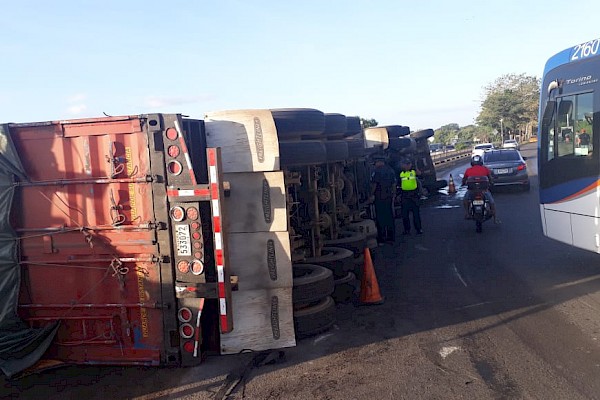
247 138
261 260
257 202
263 320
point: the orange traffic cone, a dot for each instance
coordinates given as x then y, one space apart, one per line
451 187
369 288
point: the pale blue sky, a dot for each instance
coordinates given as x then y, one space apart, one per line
421 64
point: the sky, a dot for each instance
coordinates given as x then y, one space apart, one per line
422 64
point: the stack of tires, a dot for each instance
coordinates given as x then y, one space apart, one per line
312 141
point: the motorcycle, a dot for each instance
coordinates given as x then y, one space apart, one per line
479 206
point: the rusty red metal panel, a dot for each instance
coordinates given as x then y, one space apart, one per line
88 247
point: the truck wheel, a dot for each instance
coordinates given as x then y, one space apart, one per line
335 126
337 259
311 283
315 319
353 126
293 123
402 143
302 152
395 131
424 134
353 241
337 150
356 148
344 288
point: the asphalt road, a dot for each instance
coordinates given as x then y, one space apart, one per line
505 314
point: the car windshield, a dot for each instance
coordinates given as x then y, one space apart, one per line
495 156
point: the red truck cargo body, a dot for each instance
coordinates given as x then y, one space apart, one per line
102 246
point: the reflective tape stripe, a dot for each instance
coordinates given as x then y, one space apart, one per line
188 192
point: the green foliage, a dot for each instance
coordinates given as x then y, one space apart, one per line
367 123
513 99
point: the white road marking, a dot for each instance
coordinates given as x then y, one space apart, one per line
458 275
473 305
322 337
446 351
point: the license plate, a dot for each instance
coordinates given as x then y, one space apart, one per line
477 202
184 242
502 171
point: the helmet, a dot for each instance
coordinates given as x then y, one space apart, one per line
476 160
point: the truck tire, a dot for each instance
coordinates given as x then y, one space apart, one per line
337 259
302 152
353 241
353 126
402 143
356 148
424 134
293 123
337 150
335 126
315 319
344 288
311 283
395 131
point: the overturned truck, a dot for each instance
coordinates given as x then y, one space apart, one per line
157 239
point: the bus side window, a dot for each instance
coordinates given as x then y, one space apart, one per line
565 121
584 123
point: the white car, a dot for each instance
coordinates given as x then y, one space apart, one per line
511 144
481 148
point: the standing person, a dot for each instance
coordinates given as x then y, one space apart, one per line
383 191
410 197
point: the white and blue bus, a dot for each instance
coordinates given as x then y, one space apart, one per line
568 146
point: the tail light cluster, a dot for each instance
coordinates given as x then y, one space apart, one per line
521 167
188 242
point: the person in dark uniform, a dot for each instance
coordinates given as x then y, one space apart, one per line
383 191
410 197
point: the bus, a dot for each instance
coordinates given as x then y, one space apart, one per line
568 146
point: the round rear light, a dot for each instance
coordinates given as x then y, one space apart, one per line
188 346
174 167
177 213
198 254
198 245
195 226
171 134
173 151
183 266
184 314
196 235
197 267
192 213
186 331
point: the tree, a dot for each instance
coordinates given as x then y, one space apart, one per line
367 123
514 98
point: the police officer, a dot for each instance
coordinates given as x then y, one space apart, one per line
383 191
410 197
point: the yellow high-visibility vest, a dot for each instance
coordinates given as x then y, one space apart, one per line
408 180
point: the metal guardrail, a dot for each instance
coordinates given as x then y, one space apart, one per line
449 156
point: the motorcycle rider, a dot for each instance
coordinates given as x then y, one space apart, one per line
478 169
